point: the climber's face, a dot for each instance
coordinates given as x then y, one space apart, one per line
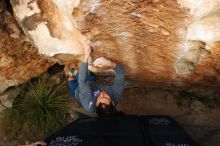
103 98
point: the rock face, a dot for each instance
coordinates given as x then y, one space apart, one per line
155 39
50 25
139 34
201 34
19 62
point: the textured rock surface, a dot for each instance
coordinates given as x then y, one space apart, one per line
50 25
147 37
204 29
19 62
200 8
142 35
7 97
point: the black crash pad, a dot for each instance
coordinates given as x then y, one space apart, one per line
122 130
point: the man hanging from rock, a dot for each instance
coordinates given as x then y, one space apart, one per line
97 99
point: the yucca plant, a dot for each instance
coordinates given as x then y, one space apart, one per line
39 110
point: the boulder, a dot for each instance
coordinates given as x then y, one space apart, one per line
49 25
147 37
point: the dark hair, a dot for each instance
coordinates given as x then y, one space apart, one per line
104 110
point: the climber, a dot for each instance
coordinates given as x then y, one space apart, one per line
97 99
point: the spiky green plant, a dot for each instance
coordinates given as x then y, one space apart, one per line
40 110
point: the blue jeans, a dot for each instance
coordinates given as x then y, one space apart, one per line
73 84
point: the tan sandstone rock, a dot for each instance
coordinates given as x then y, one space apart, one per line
50 25
147 37
19 62
204 28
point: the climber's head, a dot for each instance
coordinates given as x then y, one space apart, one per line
104 105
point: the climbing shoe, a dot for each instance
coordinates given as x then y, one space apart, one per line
71 72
